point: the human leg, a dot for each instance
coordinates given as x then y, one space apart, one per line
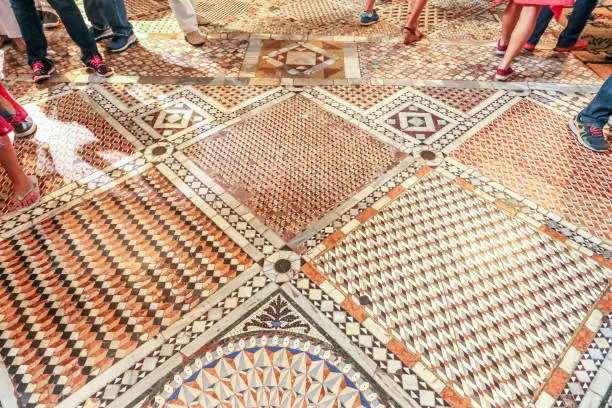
411 26
25 188
509 21
185 15
31 29
546 14
75 25
521 31
576 23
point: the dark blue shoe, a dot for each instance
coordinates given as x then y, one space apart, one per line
120 44
367 19
590 137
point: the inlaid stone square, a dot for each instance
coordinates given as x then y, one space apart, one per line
293 162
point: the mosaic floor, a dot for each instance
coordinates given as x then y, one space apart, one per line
306 213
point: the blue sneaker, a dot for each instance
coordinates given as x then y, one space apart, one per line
590 137
120 44
367 19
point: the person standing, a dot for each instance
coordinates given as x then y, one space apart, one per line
518 22
569 39
32 31
411 27
588 125
109 19
188 19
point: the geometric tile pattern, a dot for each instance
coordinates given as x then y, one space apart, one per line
363 97
359 335
545 166
312 59
451 264
231 96
85 288
292 168
469 62
416 122
72 142
588 366
463 99
262 372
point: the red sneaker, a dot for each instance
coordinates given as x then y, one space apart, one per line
529 47
501 49
504 74
581 44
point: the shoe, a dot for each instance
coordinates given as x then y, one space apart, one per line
195 38
504 74
529 47
590 137
99 35
18 200
367 19
581 44
42 70
49 19
500 49
120 44
24 128
97 64
381 2
202 20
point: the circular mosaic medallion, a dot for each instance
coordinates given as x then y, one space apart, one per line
269 372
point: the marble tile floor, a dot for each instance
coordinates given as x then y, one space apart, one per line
273 221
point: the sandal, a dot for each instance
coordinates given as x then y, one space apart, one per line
18 200
412 35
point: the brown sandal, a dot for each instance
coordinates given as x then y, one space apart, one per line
18 201
412 35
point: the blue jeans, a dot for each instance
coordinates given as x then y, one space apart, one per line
575 23
32 29
598 112
111 14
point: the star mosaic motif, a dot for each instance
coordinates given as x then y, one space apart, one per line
306 212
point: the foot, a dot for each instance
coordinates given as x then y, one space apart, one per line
120 44
504 74
202 20
501 49
529 47
369 19
26 194
97 65
49 19
412 35
99 35
23 127
42 70
590 137
581 44
195 38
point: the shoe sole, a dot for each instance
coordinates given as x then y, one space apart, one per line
103 37
51 25
500 52
39 80
503 78
575 131
128 45
369 24
110 73
30 131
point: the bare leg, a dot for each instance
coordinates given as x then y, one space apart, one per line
8 160
521 33
412 21
509 20
369 6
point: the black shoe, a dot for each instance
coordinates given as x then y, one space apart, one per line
42 70
24 128
97 64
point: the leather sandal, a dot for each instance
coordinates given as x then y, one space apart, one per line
412 35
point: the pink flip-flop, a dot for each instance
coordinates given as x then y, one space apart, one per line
18 200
